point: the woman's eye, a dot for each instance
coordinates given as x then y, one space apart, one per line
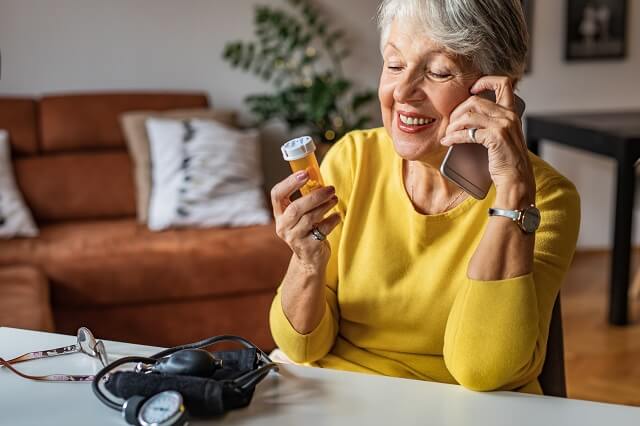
394 67
438 75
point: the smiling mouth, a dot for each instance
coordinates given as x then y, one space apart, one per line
412 123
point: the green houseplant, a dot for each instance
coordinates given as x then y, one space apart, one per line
298 52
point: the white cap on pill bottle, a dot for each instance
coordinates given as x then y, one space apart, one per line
298 148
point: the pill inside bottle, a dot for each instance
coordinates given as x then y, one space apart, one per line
300 153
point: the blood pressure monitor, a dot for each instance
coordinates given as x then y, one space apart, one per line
163 409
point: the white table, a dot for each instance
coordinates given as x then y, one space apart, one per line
296 395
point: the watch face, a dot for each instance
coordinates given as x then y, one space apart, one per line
531 220
165 408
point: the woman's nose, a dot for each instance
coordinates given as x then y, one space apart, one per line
408 89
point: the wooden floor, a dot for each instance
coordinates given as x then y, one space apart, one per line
602 361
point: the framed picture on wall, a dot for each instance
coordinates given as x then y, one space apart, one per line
596 29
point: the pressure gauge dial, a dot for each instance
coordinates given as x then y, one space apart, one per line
163 409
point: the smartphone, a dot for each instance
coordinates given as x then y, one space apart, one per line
467 165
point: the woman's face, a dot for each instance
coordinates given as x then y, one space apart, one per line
421 84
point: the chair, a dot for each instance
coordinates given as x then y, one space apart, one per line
552 378
635 287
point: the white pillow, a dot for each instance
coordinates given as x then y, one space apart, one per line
15 217
204 174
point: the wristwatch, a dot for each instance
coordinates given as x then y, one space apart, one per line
528 219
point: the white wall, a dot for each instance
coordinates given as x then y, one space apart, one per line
75 45
62 45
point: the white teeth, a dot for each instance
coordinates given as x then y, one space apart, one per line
415 121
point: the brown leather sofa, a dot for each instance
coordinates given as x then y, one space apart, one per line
104 270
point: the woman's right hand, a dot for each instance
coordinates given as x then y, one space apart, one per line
296 219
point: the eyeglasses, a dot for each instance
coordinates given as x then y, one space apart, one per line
86 344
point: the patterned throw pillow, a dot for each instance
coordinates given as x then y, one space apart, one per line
204 174
135 134
15 217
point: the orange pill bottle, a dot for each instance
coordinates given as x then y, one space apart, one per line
300 153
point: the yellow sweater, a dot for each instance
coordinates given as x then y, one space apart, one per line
399 302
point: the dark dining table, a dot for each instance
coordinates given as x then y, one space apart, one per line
615 135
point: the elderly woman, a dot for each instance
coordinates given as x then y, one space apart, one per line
416 279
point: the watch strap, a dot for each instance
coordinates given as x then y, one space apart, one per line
511 214
527 219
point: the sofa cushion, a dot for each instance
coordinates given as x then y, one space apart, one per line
121 262
24 298
134 128
204 174
92 185
18 117
90 121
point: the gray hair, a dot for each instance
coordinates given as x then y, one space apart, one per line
490 33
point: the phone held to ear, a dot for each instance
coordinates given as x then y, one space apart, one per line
467 165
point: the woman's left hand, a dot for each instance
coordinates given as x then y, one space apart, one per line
499 129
